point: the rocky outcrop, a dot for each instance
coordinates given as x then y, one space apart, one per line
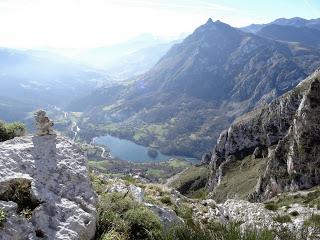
45 190
166 215
285 133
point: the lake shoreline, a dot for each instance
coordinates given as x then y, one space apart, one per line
128 150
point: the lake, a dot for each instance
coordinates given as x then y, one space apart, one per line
130 151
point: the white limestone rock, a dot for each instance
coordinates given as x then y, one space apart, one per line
60 194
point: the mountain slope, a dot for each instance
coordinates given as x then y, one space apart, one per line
198 88
303 35
279 143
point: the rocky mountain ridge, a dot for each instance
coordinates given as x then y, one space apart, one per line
302 35
283 135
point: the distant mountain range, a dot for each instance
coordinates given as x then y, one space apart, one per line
293 22
304 35
37 78
130 58
198 88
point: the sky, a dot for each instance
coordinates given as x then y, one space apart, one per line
93 23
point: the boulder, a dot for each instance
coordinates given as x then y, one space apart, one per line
47 178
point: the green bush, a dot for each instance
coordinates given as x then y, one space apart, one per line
271 206
9 131
166 200
120 217
2 216
111 208
144 224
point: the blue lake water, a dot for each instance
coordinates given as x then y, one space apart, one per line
130 151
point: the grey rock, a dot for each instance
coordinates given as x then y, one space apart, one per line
167 216
52 173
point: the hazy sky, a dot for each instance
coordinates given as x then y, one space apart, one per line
91 23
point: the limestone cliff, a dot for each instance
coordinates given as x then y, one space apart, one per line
285 135
45 190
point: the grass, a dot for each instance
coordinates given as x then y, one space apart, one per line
177 163
240 179
191 180
311 199
217 231
313 221
101 165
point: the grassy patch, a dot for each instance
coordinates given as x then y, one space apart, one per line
101 165
177 163
217 231
240 179
313 221
311 199
190 180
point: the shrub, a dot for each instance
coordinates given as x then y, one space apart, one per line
9 131
282 219
271 206
2 216
111 208
166 200
185 212
144 224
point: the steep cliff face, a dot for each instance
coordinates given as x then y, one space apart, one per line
282 139
45 191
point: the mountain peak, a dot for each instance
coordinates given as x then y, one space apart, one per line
209 21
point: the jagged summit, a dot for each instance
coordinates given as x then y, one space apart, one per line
209 21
